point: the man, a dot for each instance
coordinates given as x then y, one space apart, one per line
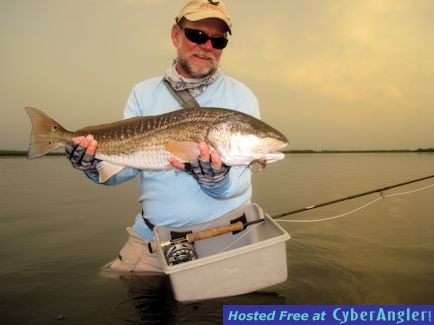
187 194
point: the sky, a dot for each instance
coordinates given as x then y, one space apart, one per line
329 74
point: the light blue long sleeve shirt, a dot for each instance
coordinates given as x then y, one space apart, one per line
172 197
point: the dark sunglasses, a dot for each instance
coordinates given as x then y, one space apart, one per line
199 37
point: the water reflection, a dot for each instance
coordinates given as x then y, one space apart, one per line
150 301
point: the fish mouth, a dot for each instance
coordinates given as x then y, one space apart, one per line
273 156
241 159
276 146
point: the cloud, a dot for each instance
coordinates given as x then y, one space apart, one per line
353 51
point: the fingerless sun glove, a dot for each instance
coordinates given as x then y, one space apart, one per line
79 159
205 174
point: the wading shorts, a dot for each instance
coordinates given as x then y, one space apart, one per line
135 256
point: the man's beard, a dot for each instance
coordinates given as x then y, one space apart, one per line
186 67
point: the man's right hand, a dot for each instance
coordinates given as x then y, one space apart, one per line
80 151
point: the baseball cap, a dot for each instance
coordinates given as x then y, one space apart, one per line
201 9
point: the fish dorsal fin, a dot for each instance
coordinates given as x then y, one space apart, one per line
187 151
100 127
107 170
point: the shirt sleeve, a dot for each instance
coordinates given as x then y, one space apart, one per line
236 183
132 107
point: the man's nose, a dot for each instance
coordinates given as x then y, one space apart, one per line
207 45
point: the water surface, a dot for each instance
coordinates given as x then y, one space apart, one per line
57 228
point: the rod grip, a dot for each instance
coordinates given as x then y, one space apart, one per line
237 226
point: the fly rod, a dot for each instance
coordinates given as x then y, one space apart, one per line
239 226
378 190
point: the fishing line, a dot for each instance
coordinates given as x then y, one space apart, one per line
382 196
334 217
409 192
379 190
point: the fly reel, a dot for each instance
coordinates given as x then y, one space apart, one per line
180 253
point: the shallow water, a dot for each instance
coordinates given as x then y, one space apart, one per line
57 228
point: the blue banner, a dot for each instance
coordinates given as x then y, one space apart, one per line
327 314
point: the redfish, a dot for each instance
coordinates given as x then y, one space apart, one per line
146 142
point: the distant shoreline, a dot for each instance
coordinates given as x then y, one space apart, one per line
359 151
21 153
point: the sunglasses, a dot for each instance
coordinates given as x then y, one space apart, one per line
199 37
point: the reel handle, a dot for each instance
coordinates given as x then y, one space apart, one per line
237 226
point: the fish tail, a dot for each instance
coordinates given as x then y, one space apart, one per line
47 135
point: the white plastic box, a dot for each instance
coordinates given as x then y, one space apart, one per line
229 264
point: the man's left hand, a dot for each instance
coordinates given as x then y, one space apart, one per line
208 170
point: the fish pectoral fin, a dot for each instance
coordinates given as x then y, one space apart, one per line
187 151
107 170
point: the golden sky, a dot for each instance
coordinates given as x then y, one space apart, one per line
330 74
